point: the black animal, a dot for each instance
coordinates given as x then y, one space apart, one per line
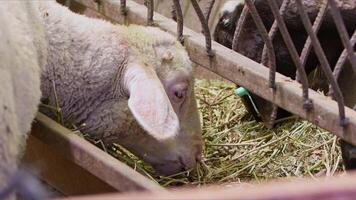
251 45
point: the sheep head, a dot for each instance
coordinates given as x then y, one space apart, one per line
165 127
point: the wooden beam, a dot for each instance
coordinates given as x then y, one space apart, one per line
324 188
240 70
74 166
65 176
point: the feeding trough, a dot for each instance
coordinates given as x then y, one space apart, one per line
73 166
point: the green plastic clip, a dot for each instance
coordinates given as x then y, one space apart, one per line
241 91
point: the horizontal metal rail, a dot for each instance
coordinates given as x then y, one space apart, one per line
242 71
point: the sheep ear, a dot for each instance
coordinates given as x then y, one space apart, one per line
149 102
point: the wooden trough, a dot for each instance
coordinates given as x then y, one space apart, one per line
334 188
73 166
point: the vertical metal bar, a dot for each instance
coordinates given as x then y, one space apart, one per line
150 7
344 36
179 15
323 61
263 32
123 7
240 24
67 3
293 52
270 52
340 63
208 10
316 26
343 57
273 31
205 27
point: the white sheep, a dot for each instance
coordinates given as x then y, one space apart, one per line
132 85
110 77
23 57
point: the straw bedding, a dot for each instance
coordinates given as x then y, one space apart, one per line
238 149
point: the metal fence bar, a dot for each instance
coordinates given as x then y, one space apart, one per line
205 27
323 61
272 71
271 61
267 40
273 31
123 7
293 52
150 7
179 15
340 63
316 26
343 57
208 10
344 36
238 30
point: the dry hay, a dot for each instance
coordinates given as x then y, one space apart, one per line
239 149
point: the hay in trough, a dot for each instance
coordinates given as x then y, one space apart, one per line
238 149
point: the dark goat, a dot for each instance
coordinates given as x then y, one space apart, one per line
251 45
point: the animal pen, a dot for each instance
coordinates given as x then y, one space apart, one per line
82 169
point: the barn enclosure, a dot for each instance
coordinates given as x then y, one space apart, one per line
82 168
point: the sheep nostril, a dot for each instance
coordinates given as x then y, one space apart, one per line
181 162
198 154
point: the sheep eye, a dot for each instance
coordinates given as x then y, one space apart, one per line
179 94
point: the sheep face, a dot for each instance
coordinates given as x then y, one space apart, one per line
171 141
169 149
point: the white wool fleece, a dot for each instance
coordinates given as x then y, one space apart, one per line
23 57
